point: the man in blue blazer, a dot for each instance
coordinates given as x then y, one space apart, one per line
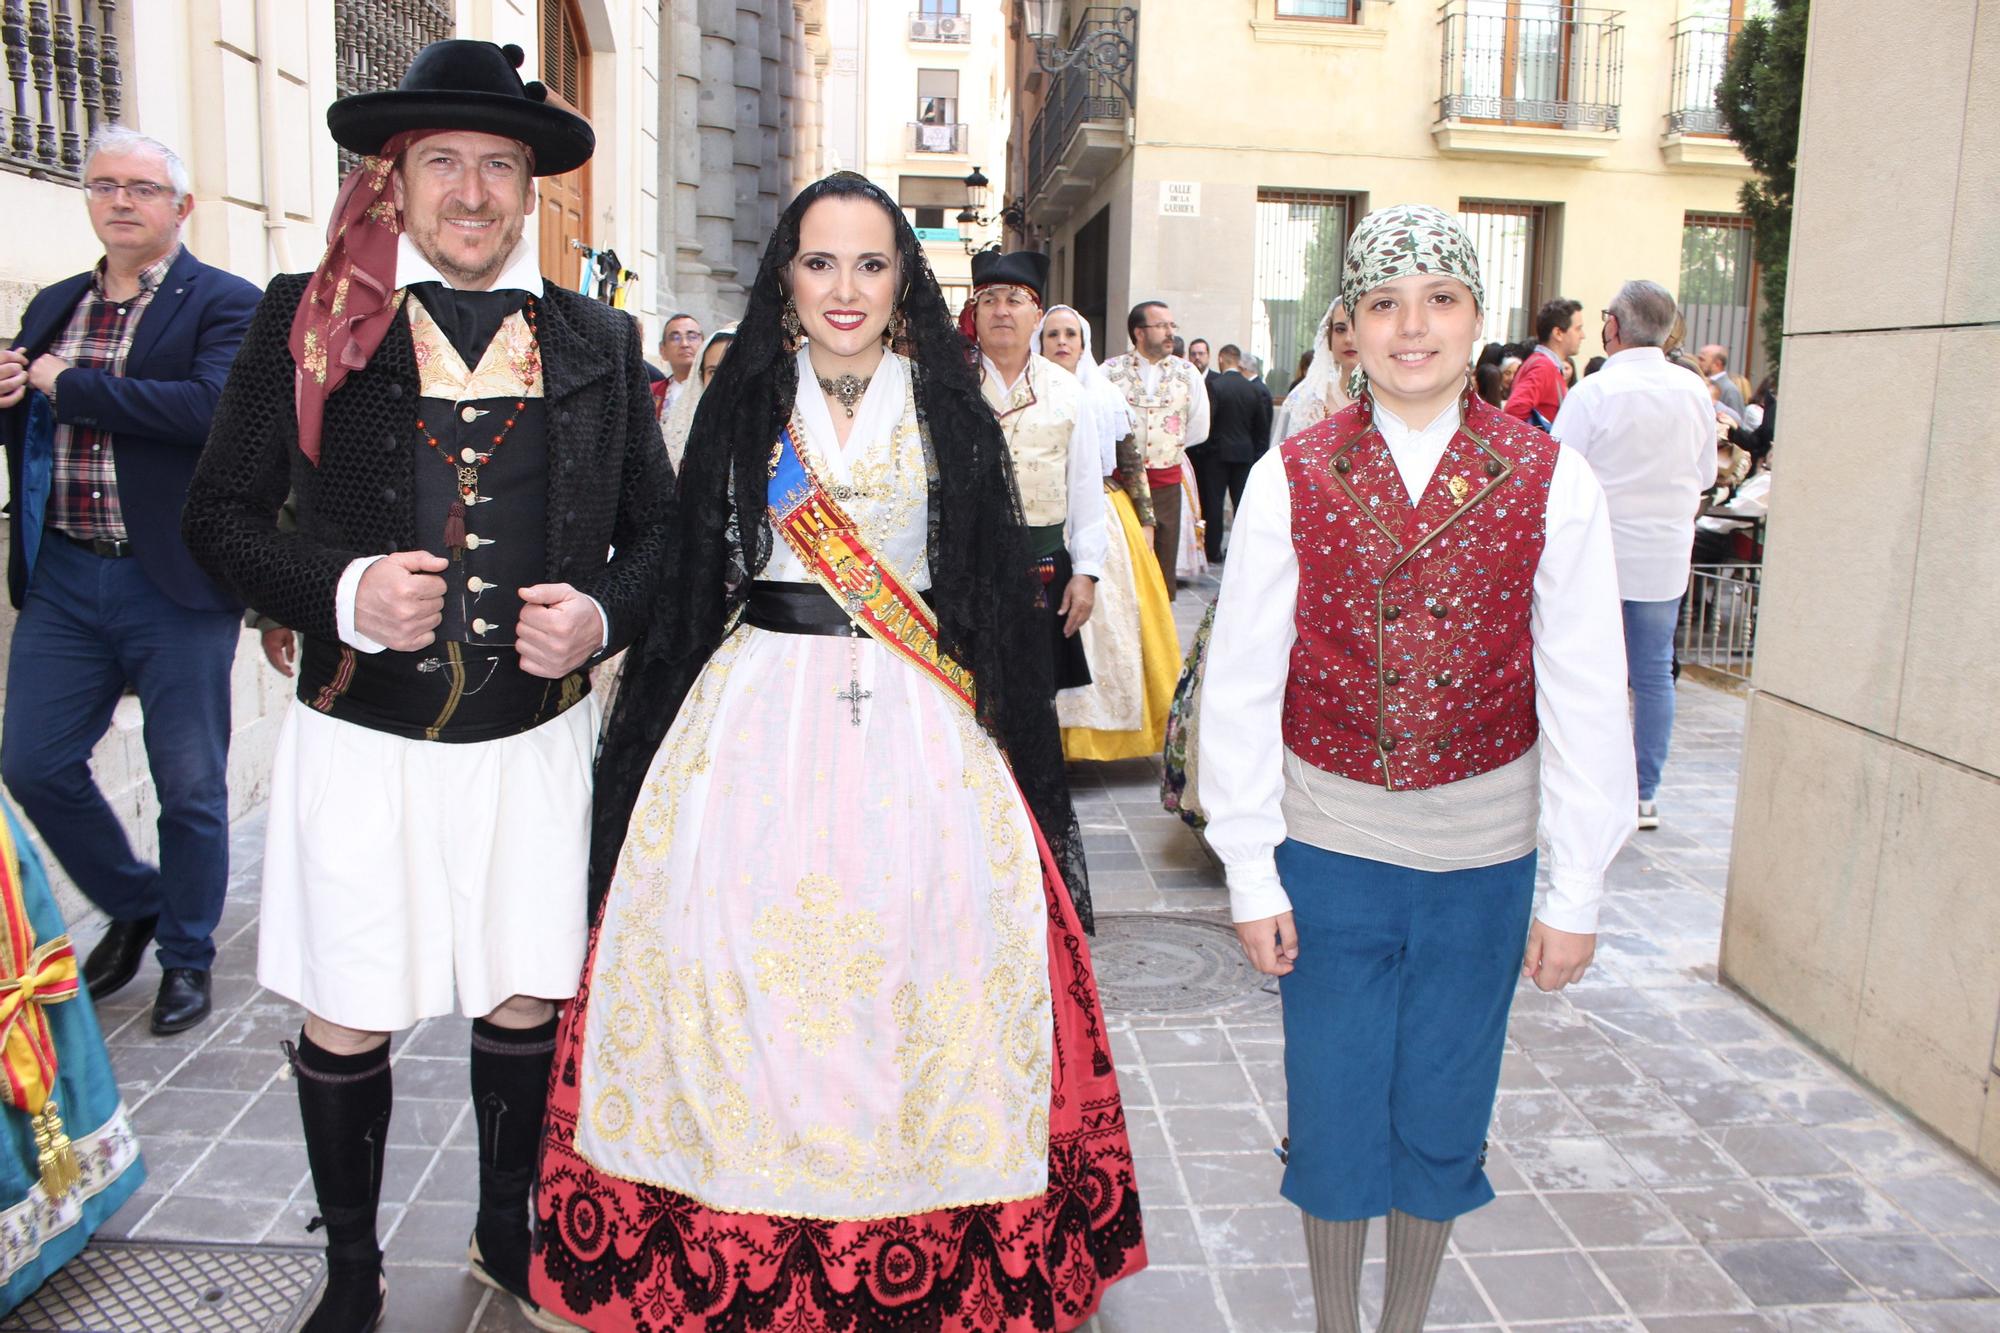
105 401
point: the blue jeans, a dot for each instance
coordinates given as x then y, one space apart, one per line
1649 671
88 625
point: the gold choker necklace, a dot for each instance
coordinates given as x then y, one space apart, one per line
847 388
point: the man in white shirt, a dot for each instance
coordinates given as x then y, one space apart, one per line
1170 406
680 342
1647 428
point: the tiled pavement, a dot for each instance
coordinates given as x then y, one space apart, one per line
1667 1157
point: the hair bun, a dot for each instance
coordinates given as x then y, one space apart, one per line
515 55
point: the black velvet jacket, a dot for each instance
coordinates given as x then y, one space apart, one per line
610 485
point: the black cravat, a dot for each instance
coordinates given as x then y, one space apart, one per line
469 319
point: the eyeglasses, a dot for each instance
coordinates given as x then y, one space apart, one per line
140 192
1169 328
684 337
1012 297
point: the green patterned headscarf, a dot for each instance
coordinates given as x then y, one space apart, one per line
1394 243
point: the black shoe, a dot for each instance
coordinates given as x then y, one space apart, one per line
115 960
354 1299
183 1000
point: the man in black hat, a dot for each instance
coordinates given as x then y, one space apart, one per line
1058 460
464 446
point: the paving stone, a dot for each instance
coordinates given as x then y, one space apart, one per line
1232 1179
1820 1104
1669 1281
1736 1102
1981 1253
430 1300
173 1113
1951 1316
1455 1302
1185 1046
1172 1237
1676 1159
181 1217
1270 1300
1600 1221
1882 1149
1561 1285
1202 1085
1733 1210
1573 1069
259 1171
1631 1108
1785 1272
1183 1299
1906 1268
1831 1205
1572 1164
1947 1202
1512 1222
1778 1150
1535 1115
1216 1129
1254 1236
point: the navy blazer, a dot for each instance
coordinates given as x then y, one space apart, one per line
158 414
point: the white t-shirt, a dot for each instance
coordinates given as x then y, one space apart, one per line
1647 429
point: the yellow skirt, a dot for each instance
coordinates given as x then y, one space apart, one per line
1134 653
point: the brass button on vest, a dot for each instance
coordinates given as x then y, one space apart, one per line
1493 467
1439 610
1391 678
1340 465
1391 612
1387 743
1441 678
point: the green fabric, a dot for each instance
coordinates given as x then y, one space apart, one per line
1045 542
1397 242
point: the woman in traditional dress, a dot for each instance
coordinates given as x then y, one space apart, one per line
1130 639
1322 390
838 1060
680 417
68 1156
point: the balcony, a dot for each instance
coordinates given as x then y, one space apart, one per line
1529 79
62 60
1696 137
1081 132
936 138
956 28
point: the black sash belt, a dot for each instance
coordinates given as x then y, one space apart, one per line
794 608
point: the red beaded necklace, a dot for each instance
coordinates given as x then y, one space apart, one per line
471 459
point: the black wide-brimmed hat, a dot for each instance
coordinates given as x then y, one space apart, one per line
466 85
1019 268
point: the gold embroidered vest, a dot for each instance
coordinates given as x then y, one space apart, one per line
1039 417
1163 413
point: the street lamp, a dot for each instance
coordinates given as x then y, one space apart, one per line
970 219
1105 50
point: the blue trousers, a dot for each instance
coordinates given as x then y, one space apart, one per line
1395 1016
88 626
1649 672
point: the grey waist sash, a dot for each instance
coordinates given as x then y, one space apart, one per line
1477 821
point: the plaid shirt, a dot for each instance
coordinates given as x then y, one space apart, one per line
83 497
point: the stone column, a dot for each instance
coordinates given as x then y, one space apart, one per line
752 147
686 281
788 106
771 173
715 118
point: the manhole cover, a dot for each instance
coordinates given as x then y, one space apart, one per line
130 1286
1172 965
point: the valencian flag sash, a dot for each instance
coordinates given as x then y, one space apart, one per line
31 978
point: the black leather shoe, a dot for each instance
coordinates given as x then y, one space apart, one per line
115 960
183 1000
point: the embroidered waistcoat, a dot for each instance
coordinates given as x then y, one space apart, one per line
1039 417
1414 663
1162 413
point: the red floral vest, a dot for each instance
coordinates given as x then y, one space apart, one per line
1414 664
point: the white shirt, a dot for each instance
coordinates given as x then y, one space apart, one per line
1084 534
1589 780
1647 429
524 273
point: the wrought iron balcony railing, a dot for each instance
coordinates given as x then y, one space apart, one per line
62 59
1536 63
940 27
1701 53
936 138
1086 90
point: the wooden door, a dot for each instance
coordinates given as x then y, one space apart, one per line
565 216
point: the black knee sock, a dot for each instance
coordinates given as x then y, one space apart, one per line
510 1092
344 1104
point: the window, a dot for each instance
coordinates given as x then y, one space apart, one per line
1301 241
1718 291
565 212
936 8
1318 9
1518 51
1513 244
937 97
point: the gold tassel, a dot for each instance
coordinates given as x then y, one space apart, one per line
55 1153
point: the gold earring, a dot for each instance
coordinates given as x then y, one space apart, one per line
898 326
789 325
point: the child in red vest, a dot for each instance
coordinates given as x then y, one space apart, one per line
1417 664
